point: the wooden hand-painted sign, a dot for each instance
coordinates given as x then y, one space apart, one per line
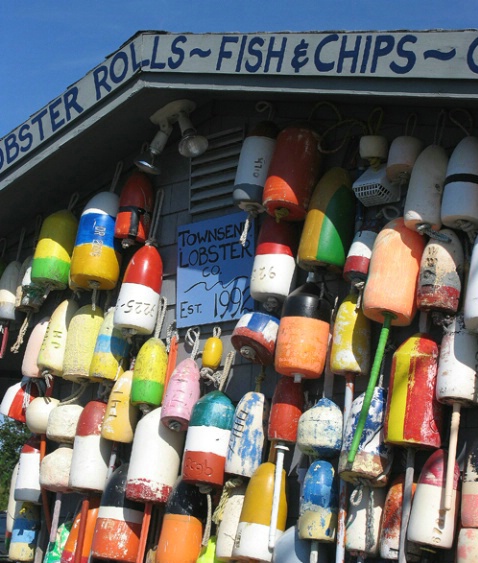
214 269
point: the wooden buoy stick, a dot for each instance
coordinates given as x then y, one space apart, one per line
172 356
406 504
377 362
450 466
85 505
280 448
144 532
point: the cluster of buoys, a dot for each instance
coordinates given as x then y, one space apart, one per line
165 462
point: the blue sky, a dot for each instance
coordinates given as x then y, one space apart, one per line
46 45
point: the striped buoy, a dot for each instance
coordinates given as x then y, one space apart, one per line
359 255
155 460
110 356
138 299
292 174
254 337
320 429
27 484
80 344
30 367
469 491
306 311
273 271
329 225
207 440
135 207
25 531
182 527
181 395
17 398
118 525
121 416
52 256
69 551
149 373
95 262
52 351
253 166
91 452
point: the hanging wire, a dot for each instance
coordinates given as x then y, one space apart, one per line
116 176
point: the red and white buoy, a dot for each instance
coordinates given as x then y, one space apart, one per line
254 337
27 484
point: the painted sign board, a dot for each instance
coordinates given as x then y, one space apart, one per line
427 54
214 268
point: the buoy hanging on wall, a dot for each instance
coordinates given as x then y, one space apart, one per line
292 175
30 367
27 484
69 553
26 527
320 429
121 416
359 255
227 527
38 412
18 396
254 337
55 469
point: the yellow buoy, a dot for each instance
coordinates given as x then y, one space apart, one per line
121 416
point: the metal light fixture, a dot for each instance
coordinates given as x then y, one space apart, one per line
191 143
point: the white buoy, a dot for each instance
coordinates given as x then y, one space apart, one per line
27 485
38 412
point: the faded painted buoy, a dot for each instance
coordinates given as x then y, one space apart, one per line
8 288
62 423
320 429
467 546
254 337
402 157
121 416
226 531
359 255
27 484
329 225
55 469
17 398
286 409
149 373
26 527
155 460
471 300
469 491
70 549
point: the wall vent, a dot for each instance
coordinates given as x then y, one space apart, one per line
211 175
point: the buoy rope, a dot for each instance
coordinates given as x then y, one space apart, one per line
263 106
227 491
425 229
245 230
227 368
359 287
328 104
163 304
216 332
280 214
346 137
75 395
170 333
95 287
20 244
116 175
158 203
260 378
27 394
207 527
369 535
460 125
374 127
73 201
192 339
411 124
21 333
357 494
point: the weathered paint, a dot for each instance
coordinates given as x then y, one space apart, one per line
246 442
393 275
121 416
429 523
226 531
52 350
469 491
111 352
254 337
329 225
254 161
135 206
62 423
467 546
292 174
149 373
52 257
81 338
286 409
69 551
55 469
8 288
351 337
359 255
27 484
363 521
17 398
374 457
319 503
118 525
30 366
320 429
181 395
456 379
414 417
402 157
25 533
154 461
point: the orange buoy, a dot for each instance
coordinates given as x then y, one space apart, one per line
292 174
69 551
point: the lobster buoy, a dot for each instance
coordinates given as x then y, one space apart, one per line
363 521
320 429
12 507
413 417
155 460
291 549
80 344
95 262
118 525
396 256
423 200
111 352
273 270
429 524
254 337
253 166
467 546
459 207
69 551
246 443
62 423
27 485
55 469
373 461
30 367
26 527
91 452
212 353
38 412
207 440
292 174
17 398
138 299
149 373
286 409
226 531
306 311
135 207
52 256
319 503
182 527
8 288
402 157
471 302
121 416
252 536
469 490
441 274
359 255
329 225
52 351
181 395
